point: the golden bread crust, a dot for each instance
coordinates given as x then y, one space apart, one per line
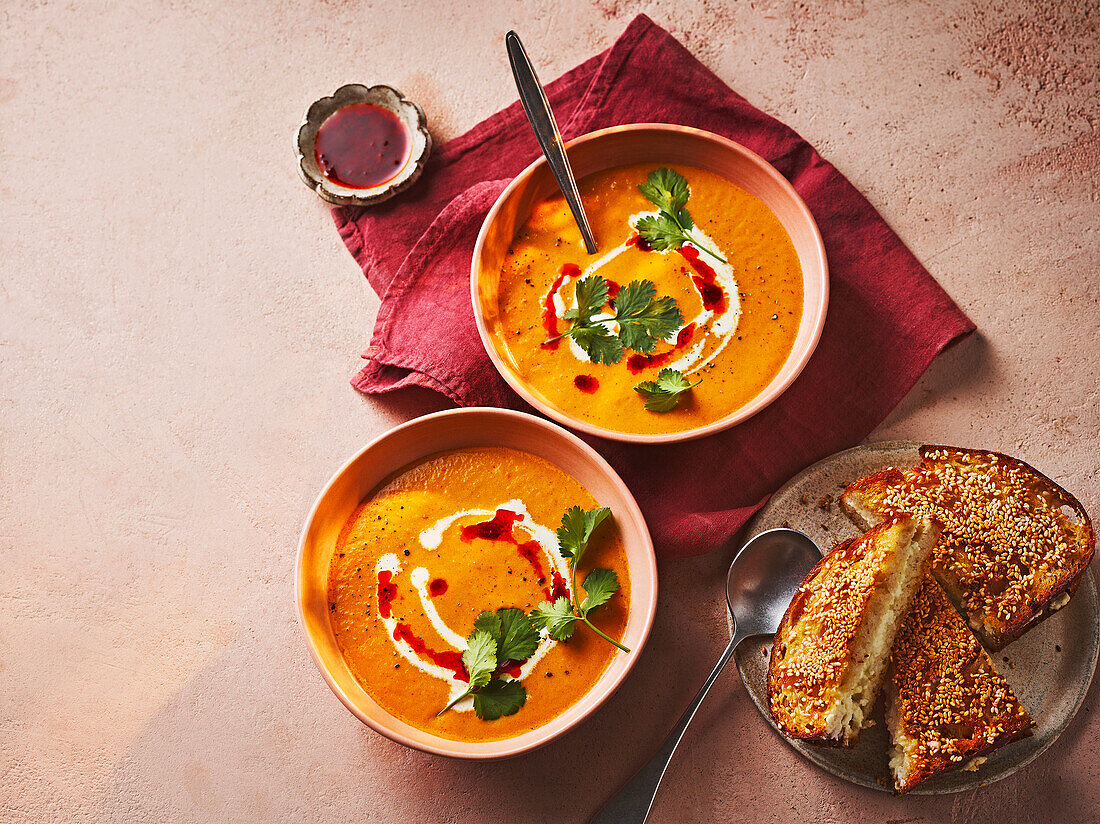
948 701
811 650
1014 544
869 493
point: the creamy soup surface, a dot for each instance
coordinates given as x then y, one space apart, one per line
413 568
741 317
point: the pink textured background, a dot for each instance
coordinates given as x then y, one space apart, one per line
178 321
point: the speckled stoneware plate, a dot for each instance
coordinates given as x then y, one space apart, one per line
1049 668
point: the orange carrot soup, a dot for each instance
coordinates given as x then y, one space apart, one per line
723 308
428 567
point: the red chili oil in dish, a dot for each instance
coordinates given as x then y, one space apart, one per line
362 146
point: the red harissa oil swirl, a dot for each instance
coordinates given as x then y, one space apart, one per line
714 297
448 660
586 383
500 529
637 362
549 313
387 591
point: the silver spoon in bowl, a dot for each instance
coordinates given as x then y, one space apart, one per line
762 580
546 131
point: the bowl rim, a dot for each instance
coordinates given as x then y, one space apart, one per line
504 747
755 405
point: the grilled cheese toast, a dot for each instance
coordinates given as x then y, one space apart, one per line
1014 543
946 705
831 650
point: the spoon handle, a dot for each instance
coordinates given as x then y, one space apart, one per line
546 131
633 803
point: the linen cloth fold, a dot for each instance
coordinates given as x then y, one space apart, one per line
887 317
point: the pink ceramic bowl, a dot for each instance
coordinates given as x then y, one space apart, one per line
419 438
657 143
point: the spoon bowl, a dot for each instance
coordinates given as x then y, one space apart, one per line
762 580
764 576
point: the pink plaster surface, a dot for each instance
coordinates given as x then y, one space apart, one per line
179 321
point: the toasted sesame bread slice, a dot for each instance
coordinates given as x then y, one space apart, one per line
946 705
831 651
1014 545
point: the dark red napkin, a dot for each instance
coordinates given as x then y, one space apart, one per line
887 316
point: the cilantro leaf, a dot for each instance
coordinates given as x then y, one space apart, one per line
643 320
556 618
665 189
672 380
599 586
499 697
559 618
489 622
576 528
668 229
518 637
508 635
480 657
635 336
591 294
661 232
512 631
634 297
598 343
663 394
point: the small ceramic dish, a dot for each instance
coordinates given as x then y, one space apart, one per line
656 143
410 115
457 429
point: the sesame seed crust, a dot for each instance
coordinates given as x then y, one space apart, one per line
812 650
1013 542
948 702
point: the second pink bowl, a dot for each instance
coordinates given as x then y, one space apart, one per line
408 443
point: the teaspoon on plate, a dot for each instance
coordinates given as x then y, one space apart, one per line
546 131
762 580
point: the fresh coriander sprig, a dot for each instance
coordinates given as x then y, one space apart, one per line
668 229
509 635
642 317
663 394
559 617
